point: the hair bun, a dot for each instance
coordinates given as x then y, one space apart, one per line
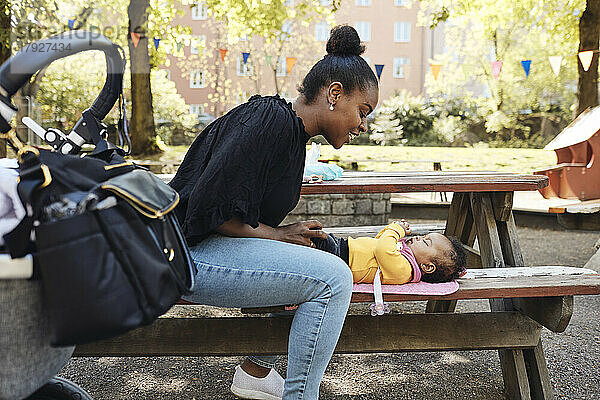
344 41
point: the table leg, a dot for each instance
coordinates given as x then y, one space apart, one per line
524 371
460 224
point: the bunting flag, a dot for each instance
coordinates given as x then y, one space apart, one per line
179 46
108 31
526 64
586 59
71 23
245 57
135 38
268 60
222 53
435 70
378 70
496 68
156 43
555 62
289 62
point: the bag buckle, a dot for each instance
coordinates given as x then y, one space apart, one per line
45 179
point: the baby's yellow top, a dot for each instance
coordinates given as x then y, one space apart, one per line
365 254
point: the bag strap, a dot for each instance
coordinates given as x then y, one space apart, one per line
379 307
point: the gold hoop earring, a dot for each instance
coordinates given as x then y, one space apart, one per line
331 107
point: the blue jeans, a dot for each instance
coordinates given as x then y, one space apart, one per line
331 245
249 272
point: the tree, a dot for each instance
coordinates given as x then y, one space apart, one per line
33 20
563 24
589 34
478 32
65 92
36 19
142 128
273 31
265 18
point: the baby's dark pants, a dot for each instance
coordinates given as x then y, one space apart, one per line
333 245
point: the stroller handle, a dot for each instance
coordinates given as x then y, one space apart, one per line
18 69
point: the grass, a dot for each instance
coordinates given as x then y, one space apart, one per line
452 158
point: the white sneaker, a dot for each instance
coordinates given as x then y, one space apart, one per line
246 386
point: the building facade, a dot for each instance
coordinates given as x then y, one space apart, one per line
214 74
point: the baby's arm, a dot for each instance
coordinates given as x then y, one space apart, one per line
395 268
395 227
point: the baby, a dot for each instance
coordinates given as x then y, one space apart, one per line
431 258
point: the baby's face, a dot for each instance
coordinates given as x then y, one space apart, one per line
425 248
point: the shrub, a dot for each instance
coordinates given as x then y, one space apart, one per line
404 119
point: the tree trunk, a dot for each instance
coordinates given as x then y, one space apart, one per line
275 79
142 130
4 47
589 33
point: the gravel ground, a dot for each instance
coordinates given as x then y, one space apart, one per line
573 356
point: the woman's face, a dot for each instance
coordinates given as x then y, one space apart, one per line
349 116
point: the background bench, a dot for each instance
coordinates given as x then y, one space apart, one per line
580 215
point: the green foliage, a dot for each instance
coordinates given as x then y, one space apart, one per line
480 31
476 158
404 119
263 18
171 113
65 92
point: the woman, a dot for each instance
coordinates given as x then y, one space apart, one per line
239 180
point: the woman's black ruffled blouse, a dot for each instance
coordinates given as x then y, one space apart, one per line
249 162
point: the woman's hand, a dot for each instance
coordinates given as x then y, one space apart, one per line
301 233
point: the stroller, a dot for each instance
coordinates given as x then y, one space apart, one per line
28 362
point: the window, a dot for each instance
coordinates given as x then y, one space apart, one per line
325 3
364 30
401 3
197 109
281 67
244 69
244 37
196 43
322 31
399 66
363 3
289 3
197 79
401 31
199 11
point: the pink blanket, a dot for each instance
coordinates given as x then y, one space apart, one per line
417 288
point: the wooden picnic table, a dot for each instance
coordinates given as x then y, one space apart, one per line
426 181
481 209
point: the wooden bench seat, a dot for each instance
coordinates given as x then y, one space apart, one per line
540 295
581 207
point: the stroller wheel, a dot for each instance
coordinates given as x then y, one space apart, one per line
60 389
